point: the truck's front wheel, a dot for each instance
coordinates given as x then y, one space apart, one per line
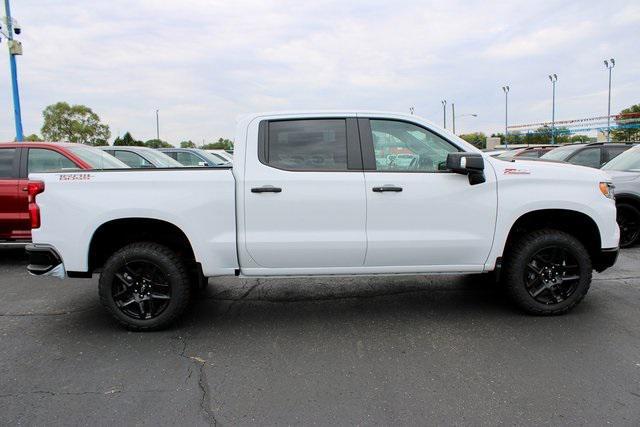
145 286
547 272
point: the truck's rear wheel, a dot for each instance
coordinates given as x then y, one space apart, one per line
547 272
145 286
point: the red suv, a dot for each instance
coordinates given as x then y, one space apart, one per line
17 160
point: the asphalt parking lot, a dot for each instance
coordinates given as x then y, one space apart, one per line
409 350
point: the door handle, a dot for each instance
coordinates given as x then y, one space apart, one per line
266 189
384 188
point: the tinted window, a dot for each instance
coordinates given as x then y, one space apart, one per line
587 157
188 159
561 153
627 161
43 160
612 151
401 146
308 145
6 162
132 160
529 154
97 159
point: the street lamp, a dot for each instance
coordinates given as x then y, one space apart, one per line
15 49
454 116
157 126
505 89
444 112
609 65
553 78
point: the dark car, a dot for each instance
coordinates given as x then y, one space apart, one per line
593 155
194 157
18 160
141 157
533 152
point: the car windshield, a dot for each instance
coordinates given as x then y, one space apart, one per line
97 159
627 161
159 159
561 153
214 159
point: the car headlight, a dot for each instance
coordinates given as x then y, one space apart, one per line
606 188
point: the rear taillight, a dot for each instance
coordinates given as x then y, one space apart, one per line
33 189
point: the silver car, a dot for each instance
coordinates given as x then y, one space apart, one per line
625 174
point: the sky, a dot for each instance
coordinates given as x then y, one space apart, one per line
202 62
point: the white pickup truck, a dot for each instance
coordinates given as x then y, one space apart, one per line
326 193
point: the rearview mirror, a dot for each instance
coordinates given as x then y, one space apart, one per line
470 164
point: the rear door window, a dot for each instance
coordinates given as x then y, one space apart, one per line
588 157
45 160
7 162
308 145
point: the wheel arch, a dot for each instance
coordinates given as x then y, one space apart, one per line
114 234
575 223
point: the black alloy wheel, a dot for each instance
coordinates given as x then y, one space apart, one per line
141 290
628 218
552 275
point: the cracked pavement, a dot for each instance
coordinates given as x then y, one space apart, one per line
405 350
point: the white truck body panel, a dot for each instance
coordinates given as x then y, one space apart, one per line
323 223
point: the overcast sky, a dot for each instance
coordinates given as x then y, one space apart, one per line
204 62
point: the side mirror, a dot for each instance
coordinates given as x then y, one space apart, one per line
470 164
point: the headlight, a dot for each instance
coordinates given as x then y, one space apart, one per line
606 188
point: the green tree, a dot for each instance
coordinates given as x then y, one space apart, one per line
579 138
157 143
221 144
477 139
187 144
32 138
628 133
74 123
128 141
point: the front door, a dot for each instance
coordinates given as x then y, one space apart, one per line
421 217
304 198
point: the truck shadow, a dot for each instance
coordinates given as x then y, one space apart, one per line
12 255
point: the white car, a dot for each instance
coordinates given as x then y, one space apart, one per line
307 197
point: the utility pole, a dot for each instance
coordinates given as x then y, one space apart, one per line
609 65
15 49
554 79
444 113
505 89
157 126
453 116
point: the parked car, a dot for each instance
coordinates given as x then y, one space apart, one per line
18 160
225 155
194 157
141 157
625 173
495 153
533 152
307 197
593 155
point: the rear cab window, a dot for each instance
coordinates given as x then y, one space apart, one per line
8 163
305 145
46 160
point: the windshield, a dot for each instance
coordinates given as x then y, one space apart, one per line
213 158
627 161
97 159
159 159
561 153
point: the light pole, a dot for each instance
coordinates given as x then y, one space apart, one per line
15 49
609 65
505 89
554 79
454 116
157 126
444 112
411 110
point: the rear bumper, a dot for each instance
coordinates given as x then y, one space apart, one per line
605 258
44 260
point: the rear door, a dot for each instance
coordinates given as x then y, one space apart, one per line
421 217
304 193
10 208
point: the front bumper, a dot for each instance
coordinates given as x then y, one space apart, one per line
44 261
605 258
